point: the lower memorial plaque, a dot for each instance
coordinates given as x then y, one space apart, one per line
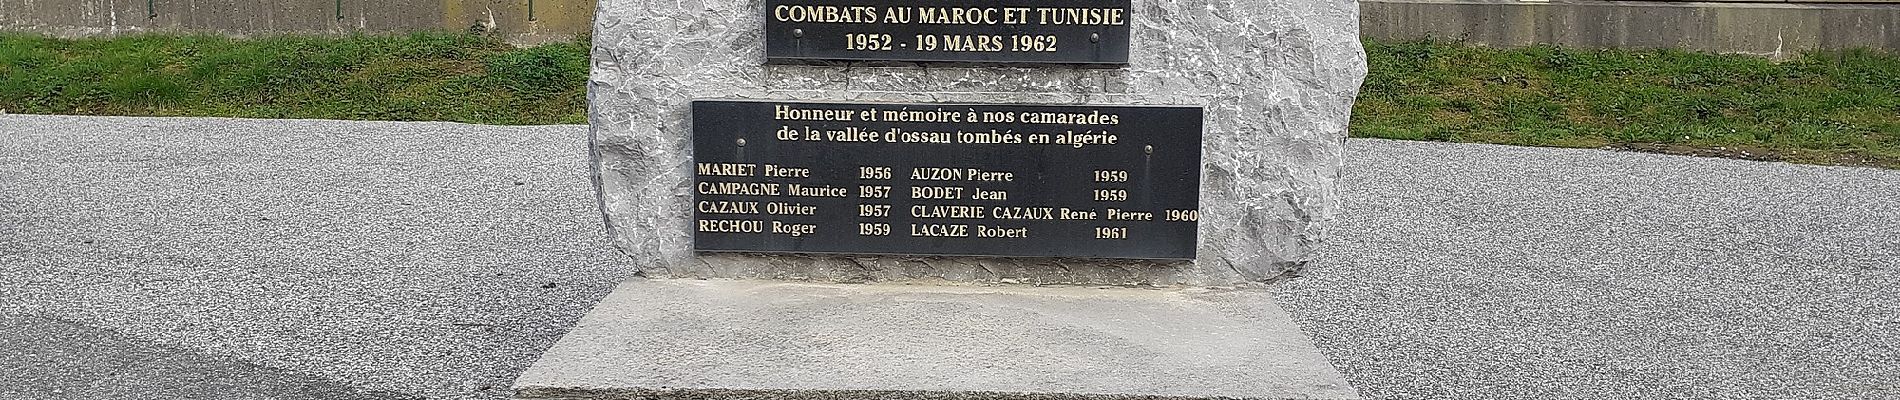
947 179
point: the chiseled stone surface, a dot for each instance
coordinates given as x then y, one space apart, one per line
720 339
1276 78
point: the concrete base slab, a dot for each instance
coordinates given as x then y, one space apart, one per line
754 339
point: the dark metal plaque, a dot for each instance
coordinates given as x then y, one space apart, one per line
984 31
946 179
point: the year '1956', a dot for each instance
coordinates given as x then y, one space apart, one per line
952 43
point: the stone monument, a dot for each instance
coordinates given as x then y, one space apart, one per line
977 198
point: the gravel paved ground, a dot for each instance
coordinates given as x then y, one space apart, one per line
380 259
159 258
1476 271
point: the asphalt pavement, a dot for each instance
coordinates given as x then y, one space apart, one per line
379 259
229 258
1498 272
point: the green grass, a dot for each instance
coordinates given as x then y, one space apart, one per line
1825 108
424 76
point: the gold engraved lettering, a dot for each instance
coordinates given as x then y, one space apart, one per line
798 190
1076 214
973 43
991 137
874 191
739 188
793 230
781 208
1015 15
1035 213
1001 232
787 113
868 41
1043 43
724 169
874 210
1082 16
909 115
936 192
873 229
991 176
958 16
1086 138
918 137
825 14
728 207
852 134
940 230
1060 118
874 172
731 226
935 174
960 174
783 172
947 211
1118 214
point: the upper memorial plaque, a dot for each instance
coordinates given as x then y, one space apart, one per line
982 31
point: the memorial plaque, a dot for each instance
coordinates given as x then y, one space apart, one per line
998 31
946 179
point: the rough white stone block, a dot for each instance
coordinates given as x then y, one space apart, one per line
1276 78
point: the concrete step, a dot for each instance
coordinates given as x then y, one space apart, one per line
709 339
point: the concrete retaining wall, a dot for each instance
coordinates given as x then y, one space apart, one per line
522 21
1771 29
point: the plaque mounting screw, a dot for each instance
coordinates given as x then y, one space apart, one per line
798 33
1149 149
1095 38
741 142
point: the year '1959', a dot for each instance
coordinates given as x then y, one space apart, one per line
955 43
